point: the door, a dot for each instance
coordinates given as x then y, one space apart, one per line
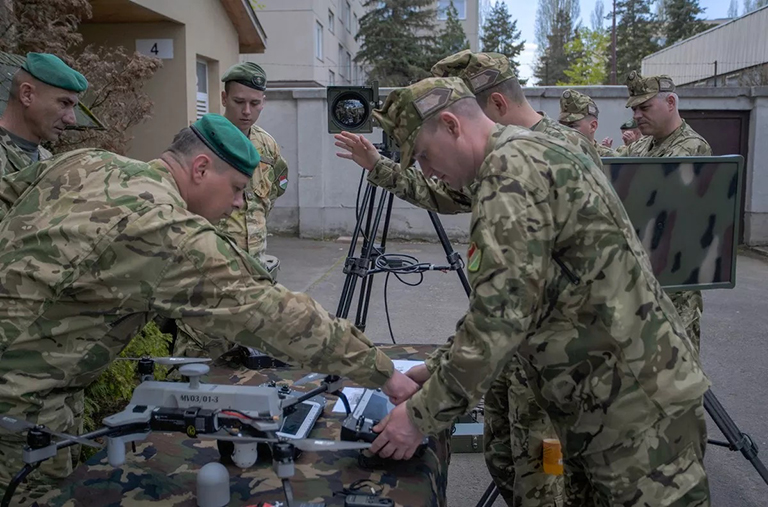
727 132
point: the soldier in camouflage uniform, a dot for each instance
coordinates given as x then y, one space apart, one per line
514 425
41 103
654 106
579 112
629 134
243 100
559 278
95 244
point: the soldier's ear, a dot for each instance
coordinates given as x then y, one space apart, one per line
26 93
451 122
200 165
224 99
499 102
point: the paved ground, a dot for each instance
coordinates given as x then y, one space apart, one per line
734 351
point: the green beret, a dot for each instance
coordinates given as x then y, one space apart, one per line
51 70
406 109
248 74
227 142
629 125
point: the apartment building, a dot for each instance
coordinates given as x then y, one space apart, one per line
469 14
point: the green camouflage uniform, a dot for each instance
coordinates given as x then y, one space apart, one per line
575 106
13 159
603 349
682 142
94 245
248 228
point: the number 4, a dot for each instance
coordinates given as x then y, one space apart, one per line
154 49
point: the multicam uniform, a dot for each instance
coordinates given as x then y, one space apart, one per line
100 244
13 158
683 142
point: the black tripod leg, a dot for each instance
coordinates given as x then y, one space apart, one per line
367 284
737 441
454 259
490 495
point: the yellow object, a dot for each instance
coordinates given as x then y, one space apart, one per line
553 457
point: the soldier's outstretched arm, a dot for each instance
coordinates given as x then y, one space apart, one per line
219 289
512 234
408 184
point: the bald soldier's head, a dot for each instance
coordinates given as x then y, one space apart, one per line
654 104
212 162
42 98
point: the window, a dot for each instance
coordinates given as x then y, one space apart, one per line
202 88
318 40
331 21
355 26
442 8
340 60
331 78
347 11
348 64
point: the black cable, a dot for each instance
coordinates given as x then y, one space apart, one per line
386 309
258 418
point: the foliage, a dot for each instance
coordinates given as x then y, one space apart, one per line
395 40
588 54
115 76
553 60
681 20
451 38
635 36
500 35
112 391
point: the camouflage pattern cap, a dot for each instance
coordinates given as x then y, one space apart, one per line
642 88
406 109
479 70
227 142
248 74
629 125
574 106
51 70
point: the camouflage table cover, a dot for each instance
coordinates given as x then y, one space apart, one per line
164 469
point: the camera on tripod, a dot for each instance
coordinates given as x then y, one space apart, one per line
350 108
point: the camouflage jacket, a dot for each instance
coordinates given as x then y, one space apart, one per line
604 151
573 137
13 159
603 348
248 226
682 142
94 245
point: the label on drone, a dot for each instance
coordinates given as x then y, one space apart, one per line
197 398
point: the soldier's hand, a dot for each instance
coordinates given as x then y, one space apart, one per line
418 374
398 436
628 137
399 388
607 142
358 149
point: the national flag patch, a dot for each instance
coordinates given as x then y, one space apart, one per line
474 255
283 182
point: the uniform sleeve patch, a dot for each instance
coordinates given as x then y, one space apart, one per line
474 255
283 182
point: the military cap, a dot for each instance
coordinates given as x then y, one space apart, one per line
642 88
629 125
51 70
575 106
227 142
479 70
248 74
406 109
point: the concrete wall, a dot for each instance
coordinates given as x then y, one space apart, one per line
320 199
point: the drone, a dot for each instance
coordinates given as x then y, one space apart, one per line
238 417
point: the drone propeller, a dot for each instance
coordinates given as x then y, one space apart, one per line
19 425
309 378
305 444
169 361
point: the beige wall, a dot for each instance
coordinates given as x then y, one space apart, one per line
471 24
205 32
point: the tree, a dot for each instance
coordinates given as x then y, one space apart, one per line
451 38
598 16
546 17
749 6
682 20
635 32
500 35
553 61
115 77
395 40
733 9
588 54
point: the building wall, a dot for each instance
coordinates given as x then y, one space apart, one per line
202 32
320 200
290 27
471 24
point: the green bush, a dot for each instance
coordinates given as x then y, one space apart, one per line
113 389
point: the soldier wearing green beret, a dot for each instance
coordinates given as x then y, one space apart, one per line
243 100
41 104
654 106
112 242
603 349
579 112
629 134
515 426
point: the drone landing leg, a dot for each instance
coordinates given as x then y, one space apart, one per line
17 479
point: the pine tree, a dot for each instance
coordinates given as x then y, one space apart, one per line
733 9
635 32
553 61
588 54
451 38
395 40
749 6
500 35
682 20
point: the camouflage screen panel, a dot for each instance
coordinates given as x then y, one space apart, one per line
9 64
686 211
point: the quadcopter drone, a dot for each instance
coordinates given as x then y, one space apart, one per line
240 417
